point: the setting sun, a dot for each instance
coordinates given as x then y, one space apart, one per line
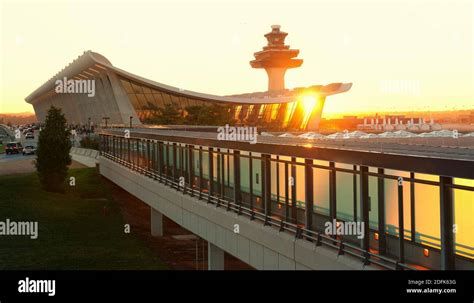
308 103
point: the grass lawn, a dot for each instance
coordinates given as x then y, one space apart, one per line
74 230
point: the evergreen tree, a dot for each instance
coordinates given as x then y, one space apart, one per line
53 151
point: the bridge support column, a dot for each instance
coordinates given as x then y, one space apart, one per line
156 223
215 257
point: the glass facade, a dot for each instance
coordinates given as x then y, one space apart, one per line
150 104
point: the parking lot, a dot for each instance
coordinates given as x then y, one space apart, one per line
19 163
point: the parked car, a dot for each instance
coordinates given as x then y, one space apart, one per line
30 136
13 148
29 150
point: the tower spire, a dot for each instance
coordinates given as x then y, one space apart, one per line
276 58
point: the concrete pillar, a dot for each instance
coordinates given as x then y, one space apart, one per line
156 223
215 257
276 78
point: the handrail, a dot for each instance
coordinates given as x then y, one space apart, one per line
299 232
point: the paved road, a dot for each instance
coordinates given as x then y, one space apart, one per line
4 158
17 163
24 142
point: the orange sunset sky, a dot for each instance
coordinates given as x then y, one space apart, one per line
206 46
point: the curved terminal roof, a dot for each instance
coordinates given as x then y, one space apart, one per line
80 67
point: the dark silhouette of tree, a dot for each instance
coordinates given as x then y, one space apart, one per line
166 116
208 115
53 151
195 115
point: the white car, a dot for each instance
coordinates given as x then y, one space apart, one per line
29 150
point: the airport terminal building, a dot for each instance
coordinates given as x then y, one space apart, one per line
123 98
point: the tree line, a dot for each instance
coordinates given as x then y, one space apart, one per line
195 115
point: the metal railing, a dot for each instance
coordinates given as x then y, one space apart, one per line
319 239
165 158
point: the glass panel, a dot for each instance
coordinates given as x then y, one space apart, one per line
284 180
134 101
179 161
261 111
196 161
267 113
243 112
427 208
205 165
142 101
244 174
274 166
230 174
463 212
249 112
192 102
159 100
166 98
137 89
146 90
345 193
237 112
176 102
275 109
170 155
257 174
184 102
214 166
391 203
151 102
290 108
321 190
127 86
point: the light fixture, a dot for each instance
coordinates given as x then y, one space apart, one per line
376 236
426 252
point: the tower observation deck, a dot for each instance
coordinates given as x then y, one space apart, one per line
276 58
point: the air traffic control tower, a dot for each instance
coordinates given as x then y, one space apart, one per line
276 58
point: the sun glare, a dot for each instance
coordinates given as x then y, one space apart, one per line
308 103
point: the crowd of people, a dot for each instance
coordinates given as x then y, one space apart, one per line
81 130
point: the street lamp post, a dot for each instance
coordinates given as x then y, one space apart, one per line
89 127
106 120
